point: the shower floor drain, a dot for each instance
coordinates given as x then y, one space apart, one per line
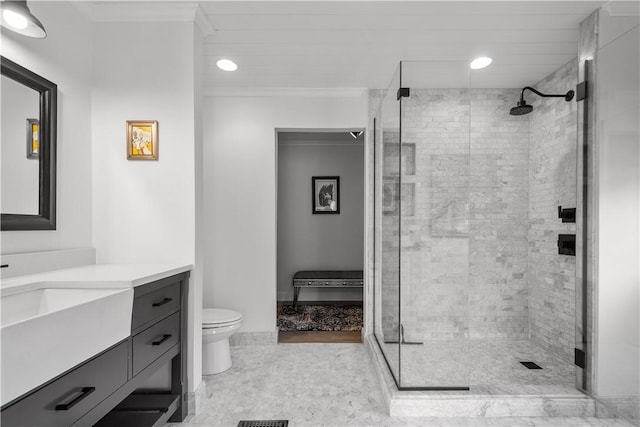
264 423
531 365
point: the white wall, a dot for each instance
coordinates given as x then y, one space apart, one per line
64 57
618 205
240 193
319 242
144 211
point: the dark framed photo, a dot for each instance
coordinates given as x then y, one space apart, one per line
325 192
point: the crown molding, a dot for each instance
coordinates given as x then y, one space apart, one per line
270 92
203 22
146 11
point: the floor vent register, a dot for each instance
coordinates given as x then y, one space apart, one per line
531 365
264 423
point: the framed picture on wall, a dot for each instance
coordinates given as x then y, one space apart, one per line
33 138
325 192
142 140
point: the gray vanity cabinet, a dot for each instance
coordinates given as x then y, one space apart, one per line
155 341
66 400
154 302
108 390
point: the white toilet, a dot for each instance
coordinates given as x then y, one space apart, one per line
217 326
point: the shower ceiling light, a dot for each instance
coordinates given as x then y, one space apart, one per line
356 134
17 17
226 65
480 62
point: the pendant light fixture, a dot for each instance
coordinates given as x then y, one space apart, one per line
17 17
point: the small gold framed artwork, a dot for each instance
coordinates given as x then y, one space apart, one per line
142 140
33 138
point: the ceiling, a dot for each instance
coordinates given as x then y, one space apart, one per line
358 44
339 45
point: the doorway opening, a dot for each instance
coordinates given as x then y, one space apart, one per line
320 235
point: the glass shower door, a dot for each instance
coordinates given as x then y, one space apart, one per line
434 154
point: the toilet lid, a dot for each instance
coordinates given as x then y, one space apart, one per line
215 316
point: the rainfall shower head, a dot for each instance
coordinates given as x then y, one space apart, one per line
523 108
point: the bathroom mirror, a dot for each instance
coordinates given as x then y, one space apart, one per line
28 155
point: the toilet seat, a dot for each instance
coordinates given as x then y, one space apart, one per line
218 318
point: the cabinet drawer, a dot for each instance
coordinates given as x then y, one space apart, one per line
155 304
152 343
65 400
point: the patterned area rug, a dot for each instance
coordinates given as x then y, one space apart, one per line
320 318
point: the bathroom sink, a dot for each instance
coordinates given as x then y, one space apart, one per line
47 330
38 302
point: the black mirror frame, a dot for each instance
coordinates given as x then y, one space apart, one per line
46 218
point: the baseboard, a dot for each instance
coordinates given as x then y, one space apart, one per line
196 399
627 407
382 372
254 338
342 302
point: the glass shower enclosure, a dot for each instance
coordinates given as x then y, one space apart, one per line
456 199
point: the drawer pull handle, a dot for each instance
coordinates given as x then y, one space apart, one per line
86 391
163 302
161 340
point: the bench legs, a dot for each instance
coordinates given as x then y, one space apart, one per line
296 292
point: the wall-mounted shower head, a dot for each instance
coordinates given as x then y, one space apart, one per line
523 108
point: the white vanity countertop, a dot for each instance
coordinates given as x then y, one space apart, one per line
95 276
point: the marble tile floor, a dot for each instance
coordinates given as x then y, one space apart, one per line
486 366
324 385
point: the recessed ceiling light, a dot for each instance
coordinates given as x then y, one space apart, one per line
226 65
480 62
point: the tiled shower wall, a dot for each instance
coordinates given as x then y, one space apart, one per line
464 209
478 230
498 214
552 183
434 223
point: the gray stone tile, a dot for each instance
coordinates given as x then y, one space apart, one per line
323 385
